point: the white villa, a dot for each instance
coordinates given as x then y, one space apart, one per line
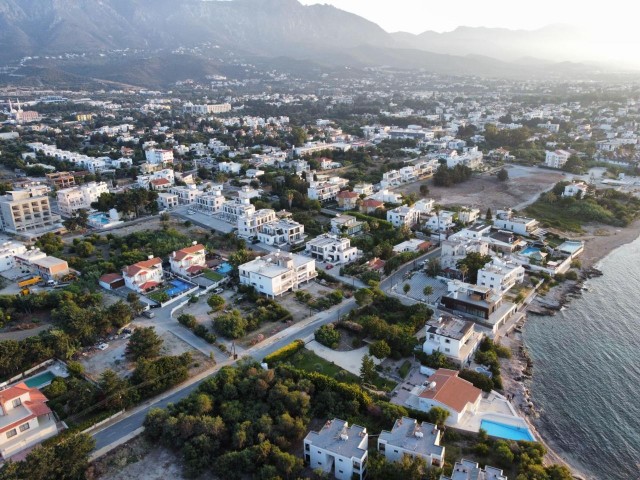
500 275
143 276
457 339
403 216
278 273
188 261
556 159
331 248
408 437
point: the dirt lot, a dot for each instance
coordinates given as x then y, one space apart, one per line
97 361
140 460
486 191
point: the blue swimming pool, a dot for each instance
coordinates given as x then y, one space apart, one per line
529 251
509 432
224 268
41 380
99 218
178 287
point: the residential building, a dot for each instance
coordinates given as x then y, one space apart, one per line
278 273
60 180
468 470
206 109
556 159
500 275
25 419
186 195
188 261
408 437
111 281
505 220
504 241
70 200
347 200
412 245
370 205
363 189
387 196
250 224
167 201
578 189
211 202
457 247
391 178
158 157
50 268
475 231
445 389
232 210
143 276
24 213
441 221
455 338
345 225
323 191
424 207
8 252
282 233
338 449
468 215
403 216
230 167
331 248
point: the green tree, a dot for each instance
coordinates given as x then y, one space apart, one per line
368 369
216 302
428 290
84 249
115 391
438 416
406 287
328 335
474 261
488 216
144 343
380 349
364 297
424 190
503 175
231 325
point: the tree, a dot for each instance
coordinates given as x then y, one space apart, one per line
120 314
380 349
368 369
231 325
424 190
134 302
503 175
463 271
433 267
406 287
328 336
115 391
364 297
84 249
144 343
428 290
438 416
216 302
298 136
488 216
473 262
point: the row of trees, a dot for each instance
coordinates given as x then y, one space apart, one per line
446 177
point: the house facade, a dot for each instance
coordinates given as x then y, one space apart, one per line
403 216
188 261
500 276
143 276
331 248
455 338
446 390
278 273
408 437
282 233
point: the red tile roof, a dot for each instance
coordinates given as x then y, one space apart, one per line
450 390
14 392
110 277
370 202
136 268
347 194
149 284
195 268
185 252
160 181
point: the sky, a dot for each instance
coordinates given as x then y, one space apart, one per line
416 16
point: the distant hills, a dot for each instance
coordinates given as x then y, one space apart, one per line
319 34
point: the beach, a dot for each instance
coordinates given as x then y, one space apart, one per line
517 372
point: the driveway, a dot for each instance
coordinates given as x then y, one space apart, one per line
350 361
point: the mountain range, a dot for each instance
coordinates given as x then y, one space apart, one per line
321 34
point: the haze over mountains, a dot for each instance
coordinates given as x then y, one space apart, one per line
271 28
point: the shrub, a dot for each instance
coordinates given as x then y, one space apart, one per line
284 353
479 380
187 320
216 302
328 336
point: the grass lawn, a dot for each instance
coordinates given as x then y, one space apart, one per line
310 362
157 296
213 276
553 216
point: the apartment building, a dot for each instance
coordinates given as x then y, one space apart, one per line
232 210
500 276
408 437
253 222
455 338
167 201
331 248
278 273
60 180
403 216
338 449
70 200
186 195
323 191
506 220
8 252
346 225
282 233
211 202
24 213
158 157
468 470
556 159
206 109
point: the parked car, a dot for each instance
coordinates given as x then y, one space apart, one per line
148 314
218 291
329 266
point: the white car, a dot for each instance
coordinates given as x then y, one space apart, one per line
103 346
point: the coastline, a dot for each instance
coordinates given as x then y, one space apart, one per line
517 372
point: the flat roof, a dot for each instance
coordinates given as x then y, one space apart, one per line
403 435
450 327
329 438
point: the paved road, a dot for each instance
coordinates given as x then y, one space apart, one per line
133 419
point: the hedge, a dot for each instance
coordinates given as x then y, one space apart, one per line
284 352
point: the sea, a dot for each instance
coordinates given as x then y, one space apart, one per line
586 380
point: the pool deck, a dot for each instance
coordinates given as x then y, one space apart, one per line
493 407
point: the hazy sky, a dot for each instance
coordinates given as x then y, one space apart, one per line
416 16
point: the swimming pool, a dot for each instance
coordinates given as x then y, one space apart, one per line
529 251
41 380
509 432
99 218
178 287
224 268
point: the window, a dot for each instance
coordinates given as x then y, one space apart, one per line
339 459
447 350
306 447
16 403
447 340
24 427
11 433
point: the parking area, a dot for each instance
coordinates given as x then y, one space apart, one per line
202 219
417 282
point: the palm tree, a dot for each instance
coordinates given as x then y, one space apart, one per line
463 269
290 198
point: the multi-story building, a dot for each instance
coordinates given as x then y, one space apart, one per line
230 167
455 338
505 220
159 157
323 191
403 216
25 419
346 225
445 389
500 275
70 200
60 180
8 252
188 261
143 276
556 159
338 449
24 213
50 268
186 195
232 210
210 202
278 273
441 221
347 200
457 247
363 189
408 437
167 201
391 178
250 224
468 470
331 248
206 109
282 233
